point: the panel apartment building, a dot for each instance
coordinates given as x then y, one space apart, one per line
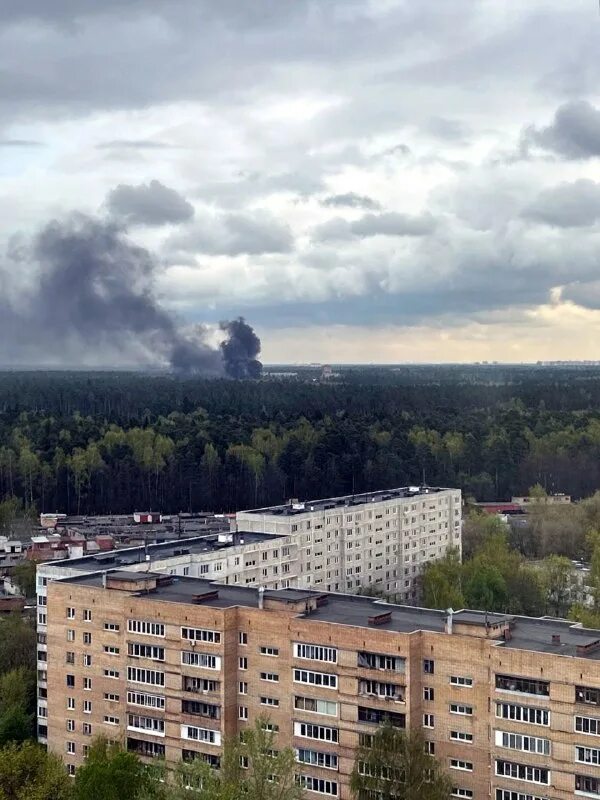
173 665
380 538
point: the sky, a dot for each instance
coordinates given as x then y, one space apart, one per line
362 180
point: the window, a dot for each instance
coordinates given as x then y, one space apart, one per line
201 635
150 676
70 635
587 695
375 716
70 613
243 687
459 708
380 661
314 706
112 673
71 748
71 768
87 684
315 652
510 683
145 627
458 792
200 709
71 681
587 755
430 748
87 637
112 650
147 700
87 706
272 677
144 748
317 785
527 744
465 766
507 794
111 697
317 759
136 650
522 772
71 703
315 678
87 615
590 725
242 712
110 720
428 721
87 660
428 666
243 638
87 729
320 732
70 725
112 626
528 714
460 680
243 663
269 651
588 786
269 701
461 736
205 660
428 693
69 657
150 725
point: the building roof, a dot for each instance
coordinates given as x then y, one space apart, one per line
545 635
109 559
293 508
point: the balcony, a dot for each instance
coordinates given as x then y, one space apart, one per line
145 749
376 716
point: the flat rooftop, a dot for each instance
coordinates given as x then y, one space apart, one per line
126 556
544 635
293 508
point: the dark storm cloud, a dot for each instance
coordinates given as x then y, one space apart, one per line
351 200
573 133
385 224
148 204
570 205
92 296
234 234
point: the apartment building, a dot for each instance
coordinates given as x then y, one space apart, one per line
173 665
244 559
380 538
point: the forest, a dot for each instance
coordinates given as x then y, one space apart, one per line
112 442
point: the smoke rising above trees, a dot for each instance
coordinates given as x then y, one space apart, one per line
82 293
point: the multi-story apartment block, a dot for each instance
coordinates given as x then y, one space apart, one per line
173 665
241 559
380 538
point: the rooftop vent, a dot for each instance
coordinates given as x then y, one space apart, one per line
380 619
202 598
556 638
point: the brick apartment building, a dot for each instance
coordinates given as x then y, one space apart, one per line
173 665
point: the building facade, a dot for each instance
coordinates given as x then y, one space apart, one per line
173 665
381 539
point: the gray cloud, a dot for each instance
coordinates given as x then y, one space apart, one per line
573 133
386 224
569 205
134 144
148 204
351 200
20 143
234 234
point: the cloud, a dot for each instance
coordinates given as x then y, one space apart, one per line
134 144
234 234
148 204
569 205
390 223
574 132
20 143
351 200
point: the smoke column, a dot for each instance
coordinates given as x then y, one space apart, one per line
82 293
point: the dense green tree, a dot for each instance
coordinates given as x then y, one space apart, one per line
17 643
24 575
560 583
442 583
111 773
396 766
28 772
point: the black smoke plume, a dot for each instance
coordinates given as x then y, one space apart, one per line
82 294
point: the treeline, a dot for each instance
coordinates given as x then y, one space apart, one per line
112 442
